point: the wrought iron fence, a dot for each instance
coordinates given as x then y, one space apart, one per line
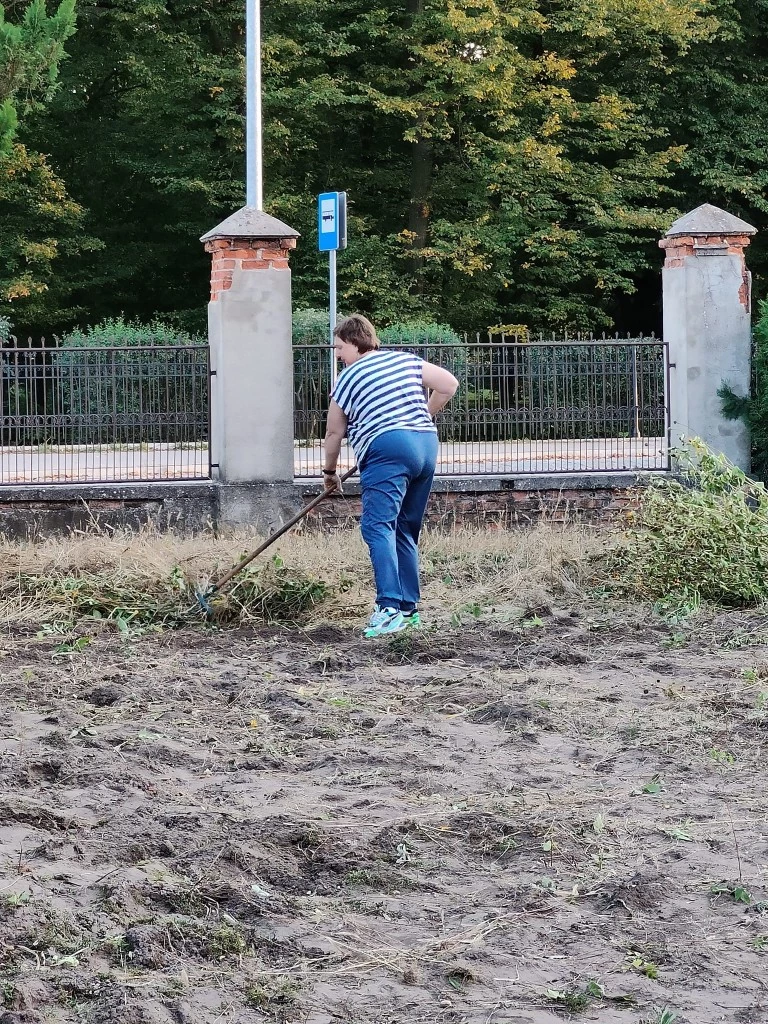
523 406
106 414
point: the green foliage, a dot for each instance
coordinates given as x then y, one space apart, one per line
276 592
311 327
753 409
703 536
502 163
30 53
115 331
418 332
713 105
271 993
662 1016
42 228
128 383
41 223
5 329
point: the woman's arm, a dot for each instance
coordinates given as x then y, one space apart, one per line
441 384
335 432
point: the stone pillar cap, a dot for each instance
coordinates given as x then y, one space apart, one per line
249 222
710 220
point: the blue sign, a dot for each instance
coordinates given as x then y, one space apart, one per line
332 221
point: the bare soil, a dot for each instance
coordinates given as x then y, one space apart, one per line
503 823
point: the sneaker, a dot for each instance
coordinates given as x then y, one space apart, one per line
384 621
412 619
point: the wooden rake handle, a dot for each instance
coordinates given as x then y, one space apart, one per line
278 533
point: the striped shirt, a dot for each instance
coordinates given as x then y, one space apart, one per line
380 392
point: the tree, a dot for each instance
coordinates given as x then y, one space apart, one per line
506 162
715 107
30 54
40 222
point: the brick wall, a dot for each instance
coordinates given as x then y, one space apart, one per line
500 507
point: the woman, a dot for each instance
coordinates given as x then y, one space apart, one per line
379 403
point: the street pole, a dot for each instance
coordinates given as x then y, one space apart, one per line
332 273
254 158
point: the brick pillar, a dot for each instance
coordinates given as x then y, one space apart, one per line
249 323
229 255
707 325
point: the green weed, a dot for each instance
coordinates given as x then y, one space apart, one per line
737 892
722 756
653 787
664 1016
702 537
576 1000
271 992
638 963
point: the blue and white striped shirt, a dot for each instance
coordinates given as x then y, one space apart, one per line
380 392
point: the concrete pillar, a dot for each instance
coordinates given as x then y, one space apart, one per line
249 325
707 325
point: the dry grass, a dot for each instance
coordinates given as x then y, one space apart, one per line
159 572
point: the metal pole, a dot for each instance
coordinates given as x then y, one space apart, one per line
254 160
332 275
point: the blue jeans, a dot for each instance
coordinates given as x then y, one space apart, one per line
396 477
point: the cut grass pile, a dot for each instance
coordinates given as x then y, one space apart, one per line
148 580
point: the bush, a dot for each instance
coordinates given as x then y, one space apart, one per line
5 329
131 396
311 327
418 332
118 332
753 410
701 537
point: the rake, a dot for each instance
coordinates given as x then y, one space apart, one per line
204 597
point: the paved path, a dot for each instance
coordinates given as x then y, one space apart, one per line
133 463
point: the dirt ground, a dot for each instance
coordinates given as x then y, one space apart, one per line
515 820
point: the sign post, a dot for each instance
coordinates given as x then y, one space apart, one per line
332 236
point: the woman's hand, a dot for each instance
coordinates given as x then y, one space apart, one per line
332 482
335 433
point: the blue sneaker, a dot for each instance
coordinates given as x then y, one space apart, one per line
384 621
412 619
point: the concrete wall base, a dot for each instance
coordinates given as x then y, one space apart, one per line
195 507
30 512
264 506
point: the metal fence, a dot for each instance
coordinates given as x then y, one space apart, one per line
77 414
523 406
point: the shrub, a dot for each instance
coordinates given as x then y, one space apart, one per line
129 396
116 331
753 410
5 329
418 332
311 327
703 536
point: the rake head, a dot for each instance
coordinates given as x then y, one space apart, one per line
203 600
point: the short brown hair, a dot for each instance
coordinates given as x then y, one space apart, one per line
357 330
